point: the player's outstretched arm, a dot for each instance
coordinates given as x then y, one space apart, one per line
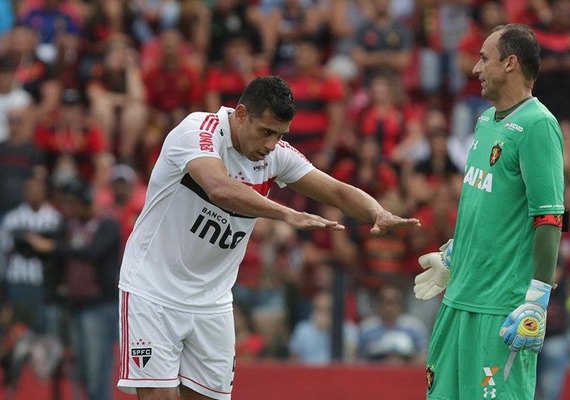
352 201
212 176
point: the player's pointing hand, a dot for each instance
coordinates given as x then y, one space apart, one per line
386 221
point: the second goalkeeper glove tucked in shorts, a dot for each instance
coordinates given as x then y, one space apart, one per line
436 275
525 327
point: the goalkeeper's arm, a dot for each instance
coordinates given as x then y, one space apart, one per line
546 245
525 327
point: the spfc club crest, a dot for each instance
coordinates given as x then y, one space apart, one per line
429 377
141 355
495 154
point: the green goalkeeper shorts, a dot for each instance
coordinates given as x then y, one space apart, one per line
466 360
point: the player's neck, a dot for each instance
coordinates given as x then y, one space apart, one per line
233 132
511 97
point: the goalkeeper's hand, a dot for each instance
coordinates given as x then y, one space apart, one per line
524 328
436 275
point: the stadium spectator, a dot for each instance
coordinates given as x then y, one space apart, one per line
250 346
285 25
195 21
260 285
379 260
344 18
226 79
319 101
30 287
382 44
392 336
116 95
11 93
70 135
382 118
311 339
20 159
470 104
365 168
52 23
27 281
553 359
37 78
111 19
173 86
441 25
122 197
159 14
229 17
91 260
554 80
438 166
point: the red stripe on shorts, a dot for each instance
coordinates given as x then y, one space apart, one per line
125 336
205 387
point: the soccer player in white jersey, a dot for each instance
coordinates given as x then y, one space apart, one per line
209 184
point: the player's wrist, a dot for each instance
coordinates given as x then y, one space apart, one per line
538 293
446 250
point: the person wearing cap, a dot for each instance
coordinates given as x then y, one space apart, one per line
122 197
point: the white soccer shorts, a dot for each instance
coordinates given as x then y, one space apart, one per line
162 348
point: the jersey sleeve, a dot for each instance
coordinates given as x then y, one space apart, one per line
194 138
292 164
541 161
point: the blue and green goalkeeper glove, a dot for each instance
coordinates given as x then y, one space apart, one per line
436 275
525 327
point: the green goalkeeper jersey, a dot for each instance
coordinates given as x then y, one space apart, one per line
514 172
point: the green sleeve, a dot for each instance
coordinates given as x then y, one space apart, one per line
546 245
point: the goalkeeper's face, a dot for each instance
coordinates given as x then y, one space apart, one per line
490 69
256 137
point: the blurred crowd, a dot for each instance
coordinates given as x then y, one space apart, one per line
385 101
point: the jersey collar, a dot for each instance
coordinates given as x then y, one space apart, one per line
224 127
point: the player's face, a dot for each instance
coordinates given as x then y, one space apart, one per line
258 136
490 69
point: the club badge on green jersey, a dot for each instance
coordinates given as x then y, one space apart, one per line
496 151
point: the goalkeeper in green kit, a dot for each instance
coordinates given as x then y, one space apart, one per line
498 268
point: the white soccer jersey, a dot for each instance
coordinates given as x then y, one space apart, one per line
184 251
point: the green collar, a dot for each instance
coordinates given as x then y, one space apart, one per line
499 115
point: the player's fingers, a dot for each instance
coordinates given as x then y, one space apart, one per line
331 224
423 277
399 221
381 227
433 291
427 290
425 261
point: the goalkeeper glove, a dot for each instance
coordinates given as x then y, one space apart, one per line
524 328
436 275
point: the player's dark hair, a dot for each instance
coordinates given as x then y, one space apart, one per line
269 93
519 40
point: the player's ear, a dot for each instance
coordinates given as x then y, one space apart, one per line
241 112
511 63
